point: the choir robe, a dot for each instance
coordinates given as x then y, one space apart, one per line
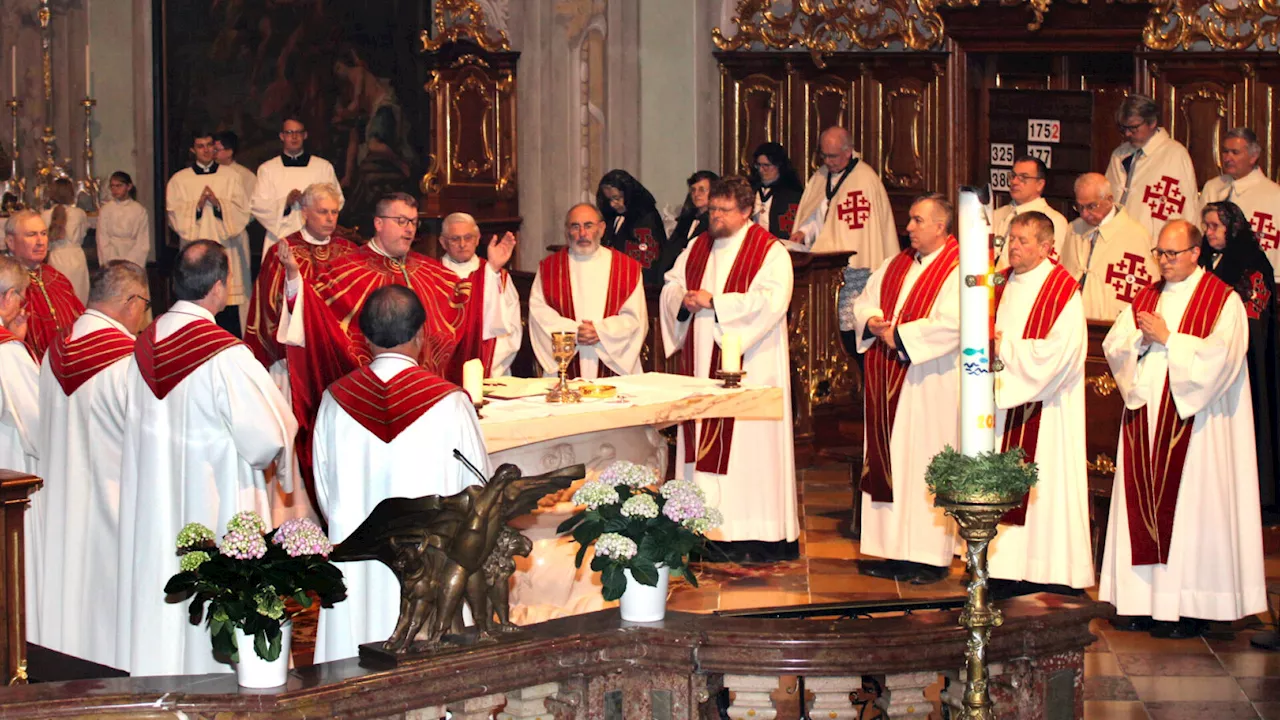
495 345
1160 187
1111 266
124 232
909 527
857 218
82 402
278 177
1002 221
1259 198
1214 564
196 454
605 288
756 492
360 463
248 179
776 209
67 254
1053 546
52 307
225 226
19 451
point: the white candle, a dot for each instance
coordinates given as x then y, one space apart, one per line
473 380
977 381
13 69
86 71
730 353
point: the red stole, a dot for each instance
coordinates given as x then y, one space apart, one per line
471 342
387 408
1152 475
716 440
52 307
624 276
885 373
75 362
1022 424
6 336
166 363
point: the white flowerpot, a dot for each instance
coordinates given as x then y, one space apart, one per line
254 672
644 603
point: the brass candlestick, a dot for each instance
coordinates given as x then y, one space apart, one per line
88 185
563 347
13 192
731 379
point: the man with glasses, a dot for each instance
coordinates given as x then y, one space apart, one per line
1107 251
51 303
277 198
1151 173
1026 191
1184 543
492 324
1243 183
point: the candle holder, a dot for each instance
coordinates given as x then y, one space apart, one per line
88 185
563 347
477 406
731 379
13 192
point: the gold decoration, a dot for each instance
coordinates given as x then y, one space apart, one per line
20 677
822 27
1236 26
1102 384
1102 465
462 20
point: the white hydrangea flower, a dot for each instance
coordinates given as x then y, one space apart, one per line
640 506
617 547
596 494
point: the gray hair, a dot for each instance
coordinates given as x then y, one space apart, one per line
13 276
941 206
1139 106
16 219
115 281
1096 182
459 218
1247 135
315 191
599 215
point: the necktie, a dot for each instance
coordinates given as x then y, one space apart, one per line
1128 176
1088 263
1231 191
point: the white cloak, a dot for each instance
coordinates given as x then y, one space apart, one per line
1259 198
1163 184
501 312
858 218
198 455
67 255
181 195
19 451
355 471
758 493
1215 568
1117 266
275 182
911 528
1053 547
124 232
1002 220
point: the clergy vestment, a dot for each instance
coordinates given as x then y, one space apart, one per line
1259 199
1184 537
67 253
1002 222
604 288
1156 183
386 430
205 420
82 402
911 402
849 211
1040 408
746 467
641 235
776 209
278 177
224 225
124 232
1111 261
52 307
19 451
494 345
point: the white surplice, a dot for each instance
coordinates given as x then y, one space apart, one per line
275 182
501 312
124 232
80 441
67 255
758 493
191 223
1112 261
19 451
1215 568
621 336
355 470
1160 185
1053 547
198 455
1259 198
858 217
1002 221
928 419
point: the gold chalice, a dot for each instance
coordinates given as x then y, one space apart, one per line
563 347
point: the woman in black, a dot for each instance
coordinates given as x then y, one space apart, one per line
631 221
778 189
692 220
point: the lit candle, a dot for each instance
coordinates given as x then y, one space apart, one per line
473 380
730 353
977 381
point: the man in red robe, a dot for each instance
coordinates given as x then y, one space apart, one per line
492 324
52 305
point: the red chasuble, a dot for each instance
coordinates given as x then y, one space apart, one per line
6 336
624 277
52 307
1153 473
387 408
75 362
166 363
1022 424
471 342
716 440
885 373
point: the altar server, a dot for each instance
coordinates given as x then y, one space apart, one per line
729 292
82 402
1041 341
378 428
52 305
1184 540
124 226
205 420
593 291
1107 251
907 323
277 198
1151 172
1243 183
1026 193
495 346
67 227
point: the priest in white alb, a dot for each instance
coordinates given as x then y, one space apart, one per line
1026 194
277 197
1107 251
493 328
1041 342
728 293
1184 540
1243 183
593 291
1151 172
378 428
205 421
82 401
907 323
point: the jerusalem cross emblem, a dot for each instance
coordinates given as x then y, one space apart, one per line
1164 197
1128 276
855 210
1265 228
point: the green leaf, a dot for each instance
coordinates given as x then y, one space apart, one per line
644 572
302 598
582 553
614 582
267 644
569 524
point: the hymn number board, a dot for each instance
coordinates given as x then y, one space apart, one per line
1055 126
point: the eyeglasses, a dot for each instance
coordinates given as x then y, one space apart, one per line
469 237
293 132
146 301
403 222
723 210
586 226
1077 208
1159 254
1127 129
832 156
1023 177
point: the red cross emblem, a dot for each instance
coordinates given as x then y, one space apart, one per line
855 210
1164 198
1265 229
1128 276
788 219
643 249
1259 297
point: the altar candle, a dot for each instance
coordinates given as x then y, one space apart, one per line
977 381
473 380
730 353
86 71
13 70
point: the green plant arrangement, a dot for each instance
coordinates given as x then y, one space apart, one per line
246 578
635 527
986 475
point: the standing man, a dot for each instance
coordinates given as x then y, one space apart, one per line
1184 542
735 280
51 302
494 345
595 292
907 323
277 197
1151 172
1243 183
1107 251
225 145
205 421
1026 192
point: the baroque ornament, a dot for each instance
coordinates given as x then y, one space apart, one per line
1234 25
463 20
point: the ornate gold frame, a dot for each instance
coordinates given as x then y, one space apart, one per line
462 20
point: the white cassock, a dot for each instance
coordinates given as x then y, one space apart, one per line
911 528
857 218
1259 198
124 232
275 182
19 451
1160 184
239 245
502 322
1002 220
80 462
1113 261
1053 547
192 223
198 455
248 178
355 470
621 336
758 493
67 255
1215 562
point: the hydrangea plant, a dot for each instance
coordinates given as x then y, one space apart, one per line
245 578
635 526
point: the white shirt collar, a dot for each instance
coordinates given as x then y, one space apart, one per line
462 270
1245 183
204 167
373 245
1035 275
312 239
1038 203
109 320
186 307
1182 285
1115 210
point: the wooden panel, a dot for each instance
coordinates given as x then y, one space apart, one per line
1103 406
829 102
904 128
1200 99
759 105
15 488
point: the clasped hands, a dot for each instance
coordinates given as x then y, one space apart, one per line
208 198
695 300
1154 328
883 329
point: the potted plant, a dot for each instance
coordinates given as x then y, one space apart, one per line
245 580
990 478
642 535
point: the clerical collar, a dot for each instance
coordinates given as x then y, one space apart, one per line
461 269
209 169
312 239
302 159
1035 274
186 307
1188 281
926 258
831 190
1243 184
373 245
765 192
109 320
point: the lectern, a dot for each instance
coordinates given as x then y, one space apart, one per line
15 493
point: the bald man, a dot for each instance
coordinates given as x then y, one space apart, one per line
1106 251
